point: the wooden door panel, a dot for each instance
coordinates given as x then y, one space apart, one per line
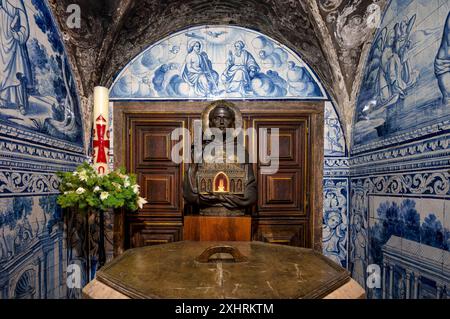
161 188
291 136
285 232
156 147
147 233
281 191
153 143
284 192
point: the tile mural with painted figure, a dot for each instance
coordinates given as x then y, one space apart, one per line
400 181
334 140
41 134
405 86
212 62
37 90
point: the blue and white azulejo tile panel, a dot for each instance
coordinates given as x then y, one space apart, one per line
37 90
410 239
405 91
216 62
40 133
335 220
334 140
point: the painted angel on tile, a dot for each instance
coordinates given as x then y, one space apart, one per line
391 70
241 69
198 71
334 228
335 235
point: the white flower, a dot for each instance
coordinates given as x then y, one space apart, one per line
126 183
68 192
75 173
141 201
69 184
96 188
104 195
136 188
80 190
83 175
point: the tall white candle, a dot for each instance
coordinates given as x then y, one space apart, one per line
101 129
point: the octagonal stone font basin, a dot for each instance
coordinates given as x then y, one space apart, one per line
245 270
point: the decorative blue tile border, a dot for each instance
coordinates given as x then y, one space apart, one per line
16 182
336 167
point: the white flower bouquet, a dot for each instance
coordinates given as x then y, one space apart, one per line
85 189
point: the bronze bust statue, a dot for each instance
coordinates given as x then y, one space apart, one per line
220 181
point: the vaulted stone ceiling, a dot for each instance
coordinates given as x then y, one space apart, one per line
332 36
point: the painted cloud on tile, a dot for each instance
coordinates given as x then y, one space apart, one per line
406 86
37 90
216 62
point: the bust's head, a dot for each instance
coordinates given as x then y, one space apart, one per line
221 117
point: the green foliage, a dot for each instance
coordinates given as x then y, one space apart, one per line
85 189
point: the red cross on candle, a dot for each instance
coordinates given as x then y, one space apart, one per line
101 141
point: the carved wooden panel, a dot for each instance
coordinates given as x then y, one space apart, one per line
149 157
291 139
152 142
147 233
283 194
161 188
156 146
284 232
217 228
281 191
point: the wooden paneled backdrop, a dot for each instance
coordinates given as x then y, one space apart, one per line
289 206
